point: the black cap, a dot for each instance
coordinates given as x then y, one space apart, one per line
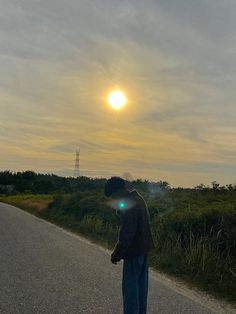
114 184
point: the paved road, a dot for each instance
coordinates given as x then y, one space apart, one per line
45 269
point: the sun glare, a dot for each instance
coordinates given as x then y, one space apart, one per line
117 99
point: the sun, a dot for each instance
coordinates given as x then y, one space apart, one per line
116 99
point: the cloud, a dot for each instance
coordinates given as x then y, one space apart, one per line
175 61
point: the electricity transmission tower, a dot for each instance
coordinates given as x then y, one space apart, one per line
77 171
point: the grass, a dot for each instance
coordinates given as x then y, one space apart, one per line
197 246
34 203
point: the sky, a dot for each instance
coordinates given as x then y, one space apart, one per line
175 60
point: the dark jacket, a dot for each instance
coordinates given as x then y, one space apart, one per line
135 234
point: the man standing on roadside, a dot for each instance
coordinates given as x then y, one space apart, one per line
135 240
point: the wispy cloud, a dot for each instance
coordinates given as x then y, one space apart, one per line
175 61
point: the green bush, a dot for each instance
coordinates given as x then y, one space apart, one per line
195 230
202 244
92 225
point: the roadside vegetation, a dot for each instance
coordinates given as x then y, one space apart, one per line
195 229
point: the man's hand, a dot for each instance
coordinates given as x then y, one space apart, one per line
114 260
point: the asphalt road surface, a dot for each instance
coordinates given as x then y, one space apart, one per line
45 269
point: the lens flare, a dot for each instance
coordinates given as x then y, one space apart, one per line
122 204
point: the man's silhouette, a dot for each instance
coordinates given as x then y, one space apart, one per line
135 240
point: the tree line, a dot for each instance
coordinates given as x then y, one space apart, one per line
32 182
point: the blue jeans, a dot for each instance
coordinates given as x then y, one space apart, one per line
135 284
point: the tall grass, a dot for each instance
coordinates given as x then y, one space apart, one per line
34 203
197 244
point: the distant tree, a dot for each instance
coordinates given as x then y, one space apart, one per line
42 185
164 185
231 187
201 186
222 188
28 175
215 185
6 177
